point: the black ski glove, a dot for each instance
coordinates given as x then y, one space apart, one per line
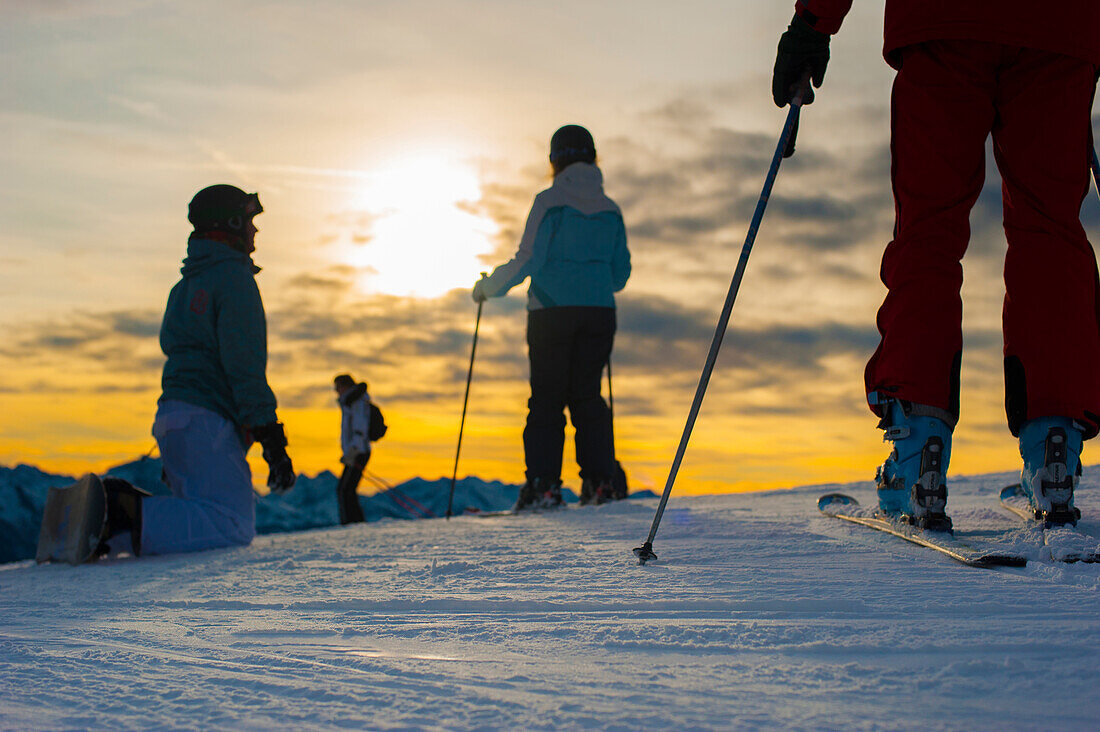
280 471
801 49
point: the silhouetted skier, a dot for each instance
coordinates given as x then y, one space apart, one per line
355 445
574 250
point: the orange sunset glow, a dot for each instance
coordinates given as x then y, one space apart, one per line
397 148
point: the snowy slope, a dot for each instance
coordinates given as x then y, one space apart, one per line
759 613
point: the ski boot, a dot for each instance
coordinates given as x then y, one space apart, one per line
551 495
123 515
911 483
73 522
79 520
619 489
539 493
1051 449
588 492
596 492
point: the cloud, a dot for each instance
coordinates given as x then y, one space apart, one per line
682 114
86 353
787 350
98 389
72 9
701 187
416 352
507 205
335 283
305 326
314 396
144 324
83 333
668 337
841 274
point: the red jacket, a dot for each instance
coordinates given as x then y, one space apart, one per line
1070 27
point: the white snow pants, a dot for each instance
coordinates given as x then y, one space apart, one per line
212 503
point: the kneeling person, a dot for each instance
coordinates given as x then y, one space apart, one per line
216 400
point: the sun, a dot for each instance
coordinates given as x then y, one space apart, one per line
422 240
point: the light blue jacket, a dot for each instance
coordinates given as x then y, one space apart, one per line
573 247
214 333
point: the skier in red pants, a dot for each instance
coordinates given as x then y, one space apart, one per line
1026 73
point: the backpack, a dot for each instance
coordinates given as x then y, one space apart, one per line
377 424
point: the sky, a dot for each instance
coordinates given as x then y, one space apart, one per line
397 147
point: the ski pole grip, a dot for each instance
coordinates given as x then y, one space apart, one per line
804 94
803 91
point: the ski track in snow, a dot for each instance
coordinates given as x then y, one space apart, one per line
759 613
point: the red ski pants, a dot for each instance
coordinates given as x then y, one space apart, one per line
948 97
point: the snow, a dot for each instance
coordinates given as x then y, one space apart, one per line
760 613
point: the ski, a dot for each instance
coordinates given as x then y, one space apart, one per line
73 522
513 512
1065 543
846 508
497 514
1015 501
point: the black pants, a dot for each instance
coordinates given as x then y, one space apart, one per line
568 348
347 499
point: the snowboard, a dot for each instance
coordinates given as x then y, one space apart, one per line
847 508
73 522
1064 543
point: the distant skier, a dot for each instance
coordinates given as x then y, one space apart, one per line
355 432
574 250
1025 72
215 398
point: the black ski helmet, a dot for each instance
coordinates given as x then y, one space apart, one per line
571 144
223 208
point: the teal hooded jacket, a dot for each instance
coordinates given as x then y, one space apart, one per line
214 334
573 246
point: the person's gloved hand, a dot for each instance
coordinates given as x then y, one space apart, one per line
351 457
479 289
801 49
280 470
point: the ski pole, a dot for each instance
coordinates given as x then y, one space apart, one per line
377 480
611 410
610 392
1095 165
645 551
618 480
393 491
465 400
